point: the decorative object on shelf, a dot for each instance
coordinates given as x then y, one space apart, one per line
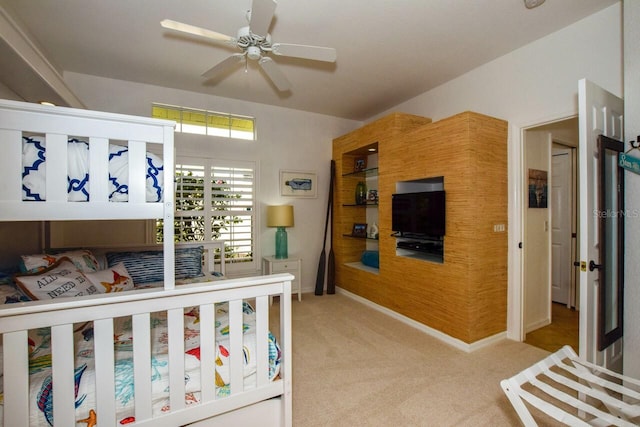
298 184
359 230
280 217
371 259
373 232
372 196
360 164
361 193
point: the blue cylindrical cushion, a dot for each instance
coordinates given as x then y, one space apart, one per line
371 259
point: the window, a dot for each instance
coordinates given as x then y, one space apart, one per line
215 200
190 120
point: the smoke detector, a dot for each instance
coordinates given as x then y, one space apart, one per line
530 4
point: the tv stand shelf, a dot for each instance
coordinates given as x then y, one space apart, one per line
415 248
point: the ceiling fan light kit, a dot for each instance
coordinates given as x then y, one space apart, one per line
255 43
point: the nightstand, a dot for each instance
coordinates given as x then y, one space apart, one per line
293 265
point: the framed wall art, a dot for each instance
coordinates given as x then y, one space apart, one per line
537 188
298 184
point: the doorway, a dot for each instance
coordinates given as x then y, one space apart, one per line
564 234
551 319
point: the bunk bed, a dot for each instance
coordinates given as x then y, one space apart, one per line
172 372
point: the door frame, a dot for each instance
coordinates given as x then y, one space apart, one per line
517 204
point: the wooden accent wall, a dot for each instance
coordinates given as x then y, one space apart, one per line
464 297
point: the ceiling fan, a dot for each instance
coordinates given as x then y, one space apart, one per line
255 43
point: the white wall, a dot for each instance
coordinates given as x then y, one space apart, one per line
532 85
287 139
632 182
537 236
7 93
538 82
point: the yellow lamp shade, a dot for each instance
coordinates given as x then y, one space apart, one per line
280 216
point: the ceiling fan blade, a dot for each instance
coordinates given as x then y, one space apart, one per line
273 71
196 31
316 53
223 65
261 15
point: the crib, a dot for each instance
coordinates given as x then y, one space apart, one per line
261 398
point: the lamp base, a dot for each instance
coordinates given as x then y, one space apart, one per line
281 243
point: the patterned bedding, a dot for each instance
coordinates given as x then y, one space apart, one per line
34 174
41 387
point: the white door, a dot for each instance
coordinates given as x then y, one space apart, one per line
561 202
600 113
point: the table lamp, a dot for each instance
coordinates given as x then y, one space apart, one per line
280 217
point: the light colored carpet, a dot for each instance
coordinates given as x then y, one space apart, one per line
355 366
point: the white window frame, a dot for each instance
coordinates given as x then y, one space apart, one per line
206 123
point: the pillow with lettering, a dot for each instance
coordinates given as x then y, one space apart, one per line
60 280
113 279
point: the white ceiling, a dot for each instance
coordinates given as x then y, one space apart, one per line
388 50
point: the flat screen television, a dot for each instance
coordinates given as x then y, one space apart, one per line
421 214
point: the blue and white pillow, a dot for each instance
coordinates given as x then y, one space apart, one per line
119 175
33 168
34 171
148 266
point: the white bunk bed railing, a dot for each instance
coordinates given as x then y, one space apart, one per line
16 320
58 124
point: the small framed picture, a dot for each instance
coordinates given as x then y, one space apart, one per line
537 188
359 230
372 196
360 164
298 183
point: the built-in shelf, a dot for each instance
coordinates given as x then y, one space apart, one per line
362 205
424 248
363 172
361 266
359 237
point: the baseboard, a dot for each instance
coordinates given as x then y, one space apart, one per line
537 325
447 339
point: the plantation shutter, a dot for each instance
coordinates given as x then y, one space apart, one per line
215 200
233 207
